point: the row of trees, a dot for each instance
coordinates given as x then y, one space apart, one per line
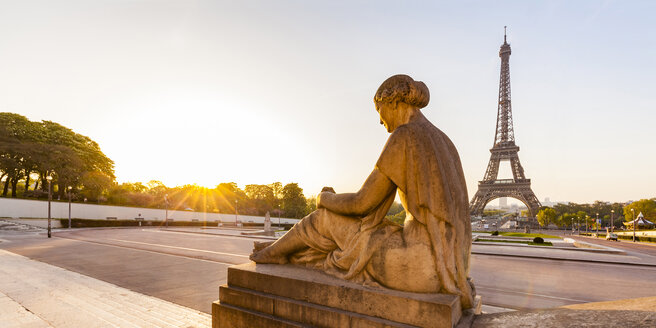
564 215
32 151
254 199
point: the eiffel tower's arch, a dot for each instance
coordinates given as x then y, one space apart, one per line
533 205
504 149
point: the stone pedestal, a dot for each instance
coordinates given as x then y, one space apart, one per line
290 296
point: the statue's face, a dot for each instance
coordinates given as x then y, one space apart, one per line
387 117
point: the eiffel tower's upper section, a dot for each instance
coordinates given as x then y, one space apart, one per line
505 136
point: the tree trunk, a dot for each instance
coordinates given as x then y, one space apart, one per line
6 188
36 184
44 182
27 181
1 177
14 183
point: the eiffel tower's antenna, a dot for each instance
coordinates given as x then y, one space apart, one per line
504 34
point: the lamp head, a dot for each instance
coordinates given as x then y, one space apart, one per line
49 178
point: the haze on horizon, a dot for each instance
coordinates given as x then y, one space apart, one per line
255 92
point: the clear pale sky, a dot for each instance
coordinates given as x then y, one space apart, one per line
262 91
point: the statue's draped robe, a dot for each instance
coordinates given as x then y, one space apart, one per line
424 165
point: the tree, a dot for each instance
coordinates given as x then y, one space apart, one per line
95 183
398 218
40 149
293 201
646 206
311 205
226 195
395 208
546 216
261 198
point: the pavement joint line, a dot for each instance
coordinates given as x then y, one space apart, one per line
565 259
53 294
573 249
218 234
146 250
532 294
176 247
20 308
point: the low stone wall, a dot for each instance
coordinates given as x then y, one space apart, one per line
24 208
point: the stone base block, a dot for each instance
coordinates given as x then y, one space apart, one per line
291 296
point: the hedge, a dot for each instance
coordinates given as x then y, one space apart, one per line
89 223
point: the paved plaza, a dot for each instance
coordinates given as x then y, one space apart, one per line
151 274
36 294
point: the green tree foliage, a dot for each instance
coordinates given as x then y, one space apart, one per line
261 199
311 205
581 210
646 206
38 149
546 216
293 201
395 208
487 213
397 218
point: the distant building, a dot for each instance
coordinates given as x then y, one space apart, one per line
503 202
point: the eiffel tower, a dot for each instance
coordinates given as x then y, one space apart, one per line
504 149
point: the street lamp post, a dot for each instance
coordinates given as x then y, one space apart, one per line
572 226
69 206
597 224
166 203
279 216
634 223
49 178
586 224
612 224
236 215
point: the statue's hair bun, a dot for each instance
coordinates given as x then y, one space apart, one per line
404 89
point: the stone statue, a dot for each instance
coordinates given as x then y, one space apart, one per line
267 222
348 235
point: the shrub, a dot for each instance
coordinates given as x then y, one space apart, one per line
495 233
538 240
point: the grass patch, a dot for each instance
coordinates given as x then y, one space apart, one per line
530 235
516 242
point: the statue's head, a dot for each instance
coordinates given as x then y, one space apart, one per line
397 98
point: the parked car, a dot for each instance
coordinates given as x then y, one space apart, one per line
611 236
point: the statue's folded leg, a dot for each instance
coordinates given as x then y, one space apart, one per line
324 230
321 231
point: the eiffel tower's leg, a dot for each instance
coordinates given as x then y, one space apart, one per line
517 169
492 169
532 202
481 198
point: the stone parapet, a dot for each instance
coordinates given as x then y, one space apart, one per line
292 296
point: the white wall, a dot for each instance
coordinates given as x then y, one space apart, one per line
23 208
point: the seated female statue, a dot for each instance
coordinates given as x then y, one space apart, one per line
348 235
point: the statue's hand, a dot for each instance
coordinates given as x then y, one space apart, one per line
325 192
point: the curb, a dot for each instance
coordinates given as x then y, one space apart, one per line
568 260
625 241
222 234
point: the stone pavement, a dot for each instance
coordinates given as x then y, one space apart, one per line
637 313
35 294
562 254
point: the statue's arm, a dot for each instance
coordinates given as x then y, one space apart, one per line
371 194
